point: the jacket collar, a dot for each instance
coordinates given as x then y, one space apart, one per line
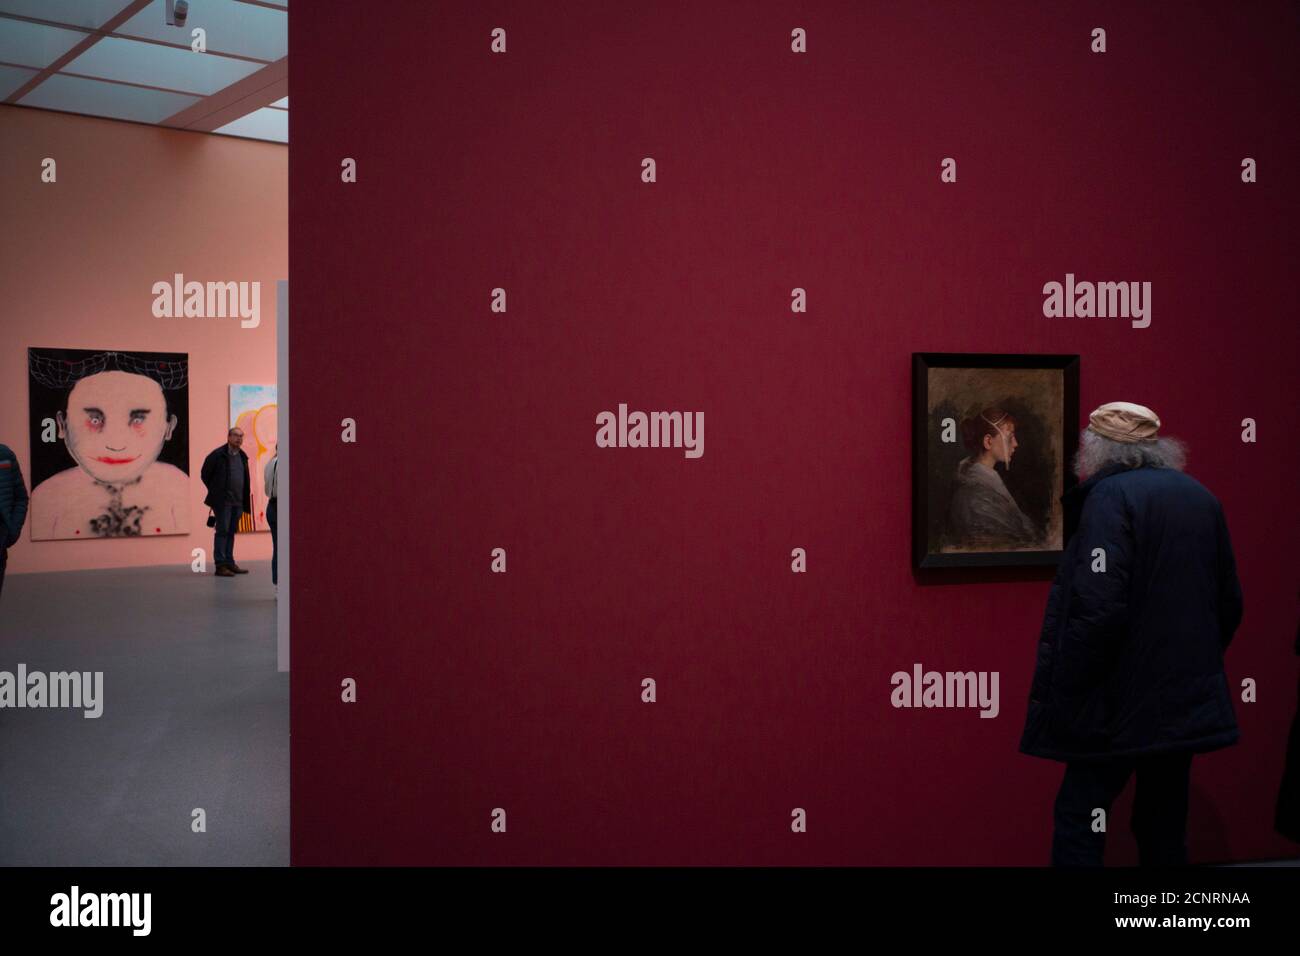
1072 500
1080 491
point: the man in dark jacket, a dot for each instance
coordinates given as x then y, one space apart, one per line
13 506
225 475
1130 672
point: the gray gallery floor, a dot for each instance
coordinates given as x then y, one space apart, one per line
195 715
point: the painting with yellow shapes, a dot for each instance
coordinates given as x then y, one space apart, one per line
252 409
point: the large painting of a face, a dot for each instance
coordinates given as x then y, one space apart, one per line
115 425
992 461
110 453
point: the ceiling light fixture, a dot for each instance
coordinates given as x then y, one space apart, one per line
177 11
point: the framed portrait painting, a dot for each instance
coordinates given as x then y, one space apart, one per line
993 440
110 445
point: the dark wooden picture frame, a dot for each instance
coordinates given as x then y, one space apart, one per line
926 518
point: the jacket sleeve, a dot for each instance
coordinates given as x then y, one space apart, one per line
12 516
1230 603
19 513
206 472
1098 606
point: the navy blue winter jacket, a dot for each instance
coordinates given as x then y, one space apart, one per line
1130 659
13 498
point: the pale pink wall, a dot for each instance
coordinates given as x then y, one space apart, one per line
78 258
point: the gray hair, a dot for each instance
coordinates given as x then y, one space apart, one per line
1096 452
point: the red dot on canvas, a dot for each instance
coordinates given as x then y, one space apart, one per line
78 531
157 530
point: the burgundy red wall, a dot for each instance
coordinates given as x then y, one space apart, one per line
476 430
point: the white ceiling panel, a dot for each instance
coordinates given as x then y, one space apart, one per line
80 13
34 45
96 98
12 77
265 123
151 64
231 27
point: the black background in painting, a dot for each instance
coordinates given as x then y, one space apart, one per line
50 458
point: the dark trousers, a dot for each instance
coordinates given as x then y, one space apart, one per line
271 512
1287 817
223 543
1159 809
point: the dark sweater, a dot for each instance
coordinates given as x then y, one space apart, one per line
216 478
236 469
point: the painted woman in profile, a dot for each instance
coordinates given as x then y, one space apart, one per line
982 514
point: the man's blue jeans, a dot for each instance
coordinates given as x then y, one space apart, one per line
223 544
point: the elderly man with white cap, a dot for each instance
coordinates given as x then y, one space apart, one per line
1130 676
